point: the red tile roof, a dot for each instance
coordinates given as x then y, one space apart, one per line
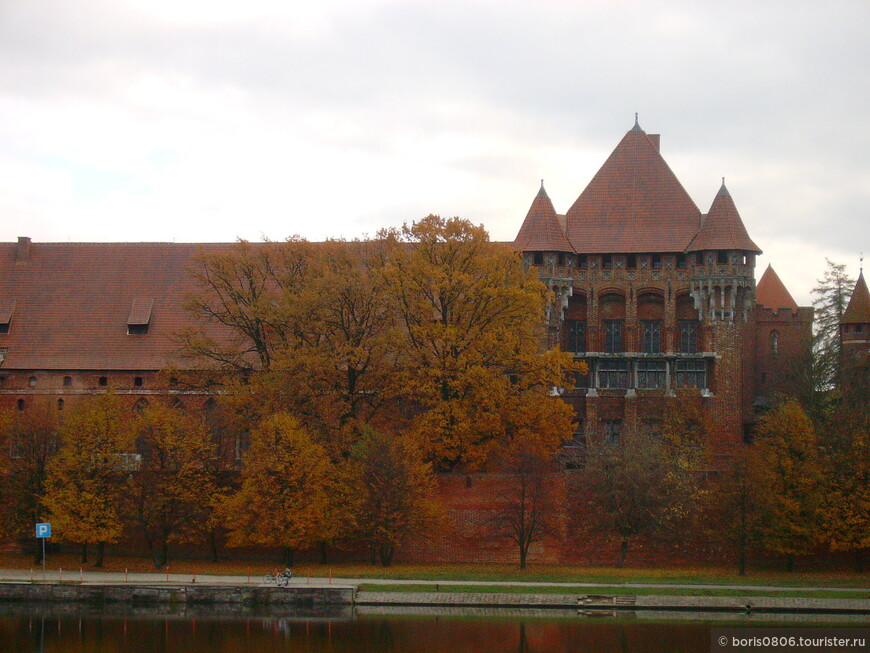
73 302
723 228
771 292
541 231
858 310
634 203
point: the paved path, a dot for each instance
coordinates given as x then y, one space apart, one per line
111 577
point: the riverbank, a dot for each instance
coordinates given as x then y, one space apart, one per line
322 593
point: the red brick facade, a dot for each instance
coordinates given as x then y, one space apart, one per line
659 299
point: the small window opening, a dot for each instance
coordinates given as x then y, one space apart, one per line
137 329
67 381
606 262
656 261
4 327
561 258
538 258
581 261
859 328
21 404
137 381
722 257
32 382
681 260
60 404
103 381
774 342
631 261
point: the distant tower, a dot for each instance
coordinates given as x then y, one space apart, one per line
855 337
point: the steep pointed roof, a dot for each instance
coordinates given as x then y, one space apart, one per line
858 310
541 231
723 228
771 292
634 203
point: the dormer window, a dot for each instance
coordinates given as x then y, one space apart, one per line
140 316
6 311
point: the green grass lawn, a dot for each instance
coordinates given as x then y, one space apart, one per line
610 576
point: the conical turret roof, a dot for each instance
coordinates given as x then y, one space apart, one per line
858 310
772 293
634 203
541 231
723 228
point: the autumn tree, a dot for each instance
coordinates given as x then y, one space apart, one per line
831 299
472 321
84 488
786 476
398 493
283 498
845 505
28 440
171 490
307 328
528 508
731 507
636 487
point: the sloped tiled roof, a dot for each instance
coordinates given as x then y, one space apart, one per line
541 231
771 292
634 203
723 228
858 310
73 302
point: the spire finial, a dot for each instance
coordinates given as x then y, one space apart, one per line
723 181
542 184
861 263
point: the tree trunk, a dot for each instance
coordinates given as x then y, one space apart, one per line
623 551
213 546
101 549
523 553
84 552
741 562
386 552
164 553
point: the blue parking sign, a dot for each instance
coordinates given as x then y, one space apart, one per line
43 530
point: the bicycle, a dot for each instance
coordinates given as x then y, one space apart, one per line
279 578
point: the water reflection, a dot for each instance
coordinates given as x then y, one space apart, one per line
33 628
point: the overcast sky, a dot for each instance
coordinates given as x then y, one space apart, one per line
161 120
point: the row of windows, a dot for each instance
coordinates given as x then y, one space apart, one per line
140 405
646 374
651 336
611 430
644 261
102 381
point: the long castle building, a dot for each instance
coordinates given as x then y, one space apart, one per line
659 298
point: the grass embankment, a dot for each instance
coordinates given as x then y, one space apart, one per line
611 577
615 590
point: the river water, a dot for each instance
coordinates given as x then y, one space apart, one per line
387 630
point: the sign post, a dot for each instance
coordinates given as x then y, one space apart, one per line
43 531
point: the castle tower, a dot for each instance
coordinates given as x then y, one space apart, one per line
543 244
855 338
657 297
